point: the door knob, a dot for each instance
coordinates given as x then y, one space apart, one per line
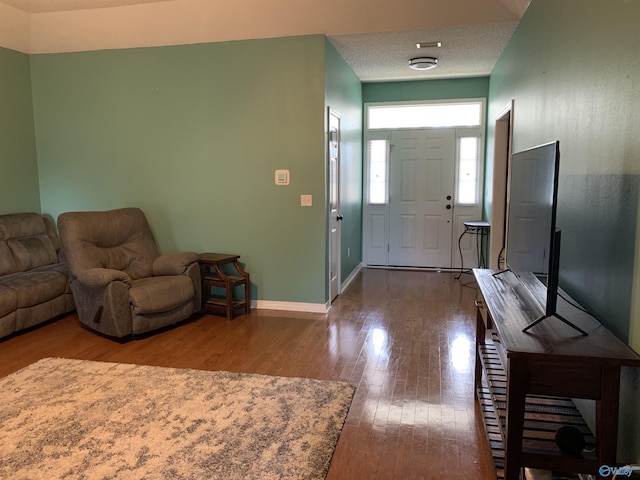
448 197
448 207
339 217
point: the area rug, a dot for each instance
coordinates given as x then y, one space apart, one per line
77 419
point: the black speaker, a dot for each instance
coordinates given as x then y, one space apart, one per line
570 440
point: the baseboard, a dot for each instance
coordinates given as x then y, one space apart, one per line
356 271
290 306
304 307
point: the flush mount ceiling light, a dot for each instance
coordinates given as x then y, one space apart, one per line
429 45
423 63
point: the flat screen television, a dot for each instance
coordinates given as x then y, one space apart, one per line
533 241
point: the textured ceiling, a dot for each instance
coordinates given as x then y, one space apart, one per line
466 51
375 37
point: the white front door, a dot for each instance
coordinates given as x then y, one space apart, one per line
334 203
421 189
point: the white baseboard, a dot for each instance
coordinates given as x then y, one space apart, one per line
290 306
351 277
304 307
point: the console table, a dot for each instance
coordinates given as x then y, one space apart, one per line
481 230
525 381
214 276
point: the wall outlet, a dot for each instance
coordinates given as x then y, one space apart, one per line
306 200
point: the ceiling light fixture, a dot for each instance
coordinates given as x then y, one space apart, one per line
429 45
423 63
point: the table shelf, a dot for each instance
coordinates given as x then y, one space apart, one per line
544 415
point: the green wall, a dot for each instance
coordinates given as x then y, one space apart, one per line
573 71
193 134
344 94
477 87
18 163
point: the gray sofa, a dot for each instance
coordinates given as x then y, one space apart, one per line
34 284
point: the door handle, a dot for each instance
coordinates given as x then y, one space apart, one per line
448 197
448 207
339 217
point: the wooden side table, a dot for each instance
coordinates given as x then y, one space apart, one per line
213 276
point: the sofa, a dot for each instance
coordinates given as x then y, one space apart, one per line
34 282
121 284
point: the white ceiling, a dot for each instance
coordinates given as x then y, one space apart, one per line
42 6
375 37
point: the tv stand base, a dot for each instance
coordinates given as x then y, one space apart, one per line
559 317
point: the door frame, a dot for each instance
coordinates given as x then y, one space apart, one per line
375 217
502 149
375 246
333 204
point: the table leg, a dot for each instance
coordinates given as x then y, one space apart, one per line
480 336
607 410
229 296
247 295
460 250
516 397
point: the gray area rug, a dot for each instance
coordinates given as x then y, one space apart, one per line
77 419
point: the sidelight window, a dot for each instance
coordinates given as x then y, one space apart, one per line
378 156
468 167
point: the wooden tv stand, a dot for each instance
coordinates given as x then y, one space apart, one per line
525 381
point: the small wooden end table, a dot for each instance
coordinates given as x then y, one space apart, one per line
213 276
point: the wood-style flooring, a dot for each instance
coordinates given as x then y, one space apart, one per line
405 339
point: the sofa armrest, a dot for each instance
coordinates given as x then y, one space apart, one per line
101 277
174 263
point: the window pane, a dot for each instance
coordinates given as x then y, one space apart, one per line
377 153
424 116
468 170
468 148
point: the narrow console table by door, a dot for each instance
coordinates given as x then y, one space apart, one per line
525 381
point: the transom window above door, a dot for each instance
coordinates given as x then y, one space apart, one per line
425 115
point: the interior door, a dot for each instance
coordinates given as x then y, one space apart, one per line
421 188
335 218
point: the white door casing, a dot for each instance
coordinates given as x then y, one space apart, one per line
501 155
333 150
379 224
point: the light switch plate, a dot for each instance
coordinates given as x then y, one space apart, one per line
306 200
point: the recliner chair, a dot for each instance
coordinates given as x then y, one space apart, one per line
120 283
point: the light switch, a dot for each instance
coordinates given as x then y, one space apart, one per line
306 200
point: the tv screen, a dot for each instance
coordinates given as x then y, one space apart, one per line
533 241
531 218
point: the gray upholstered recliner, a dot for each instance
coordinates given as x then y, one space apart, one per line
120 284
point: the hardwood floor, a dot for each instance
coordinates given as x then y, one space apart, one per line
405 339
